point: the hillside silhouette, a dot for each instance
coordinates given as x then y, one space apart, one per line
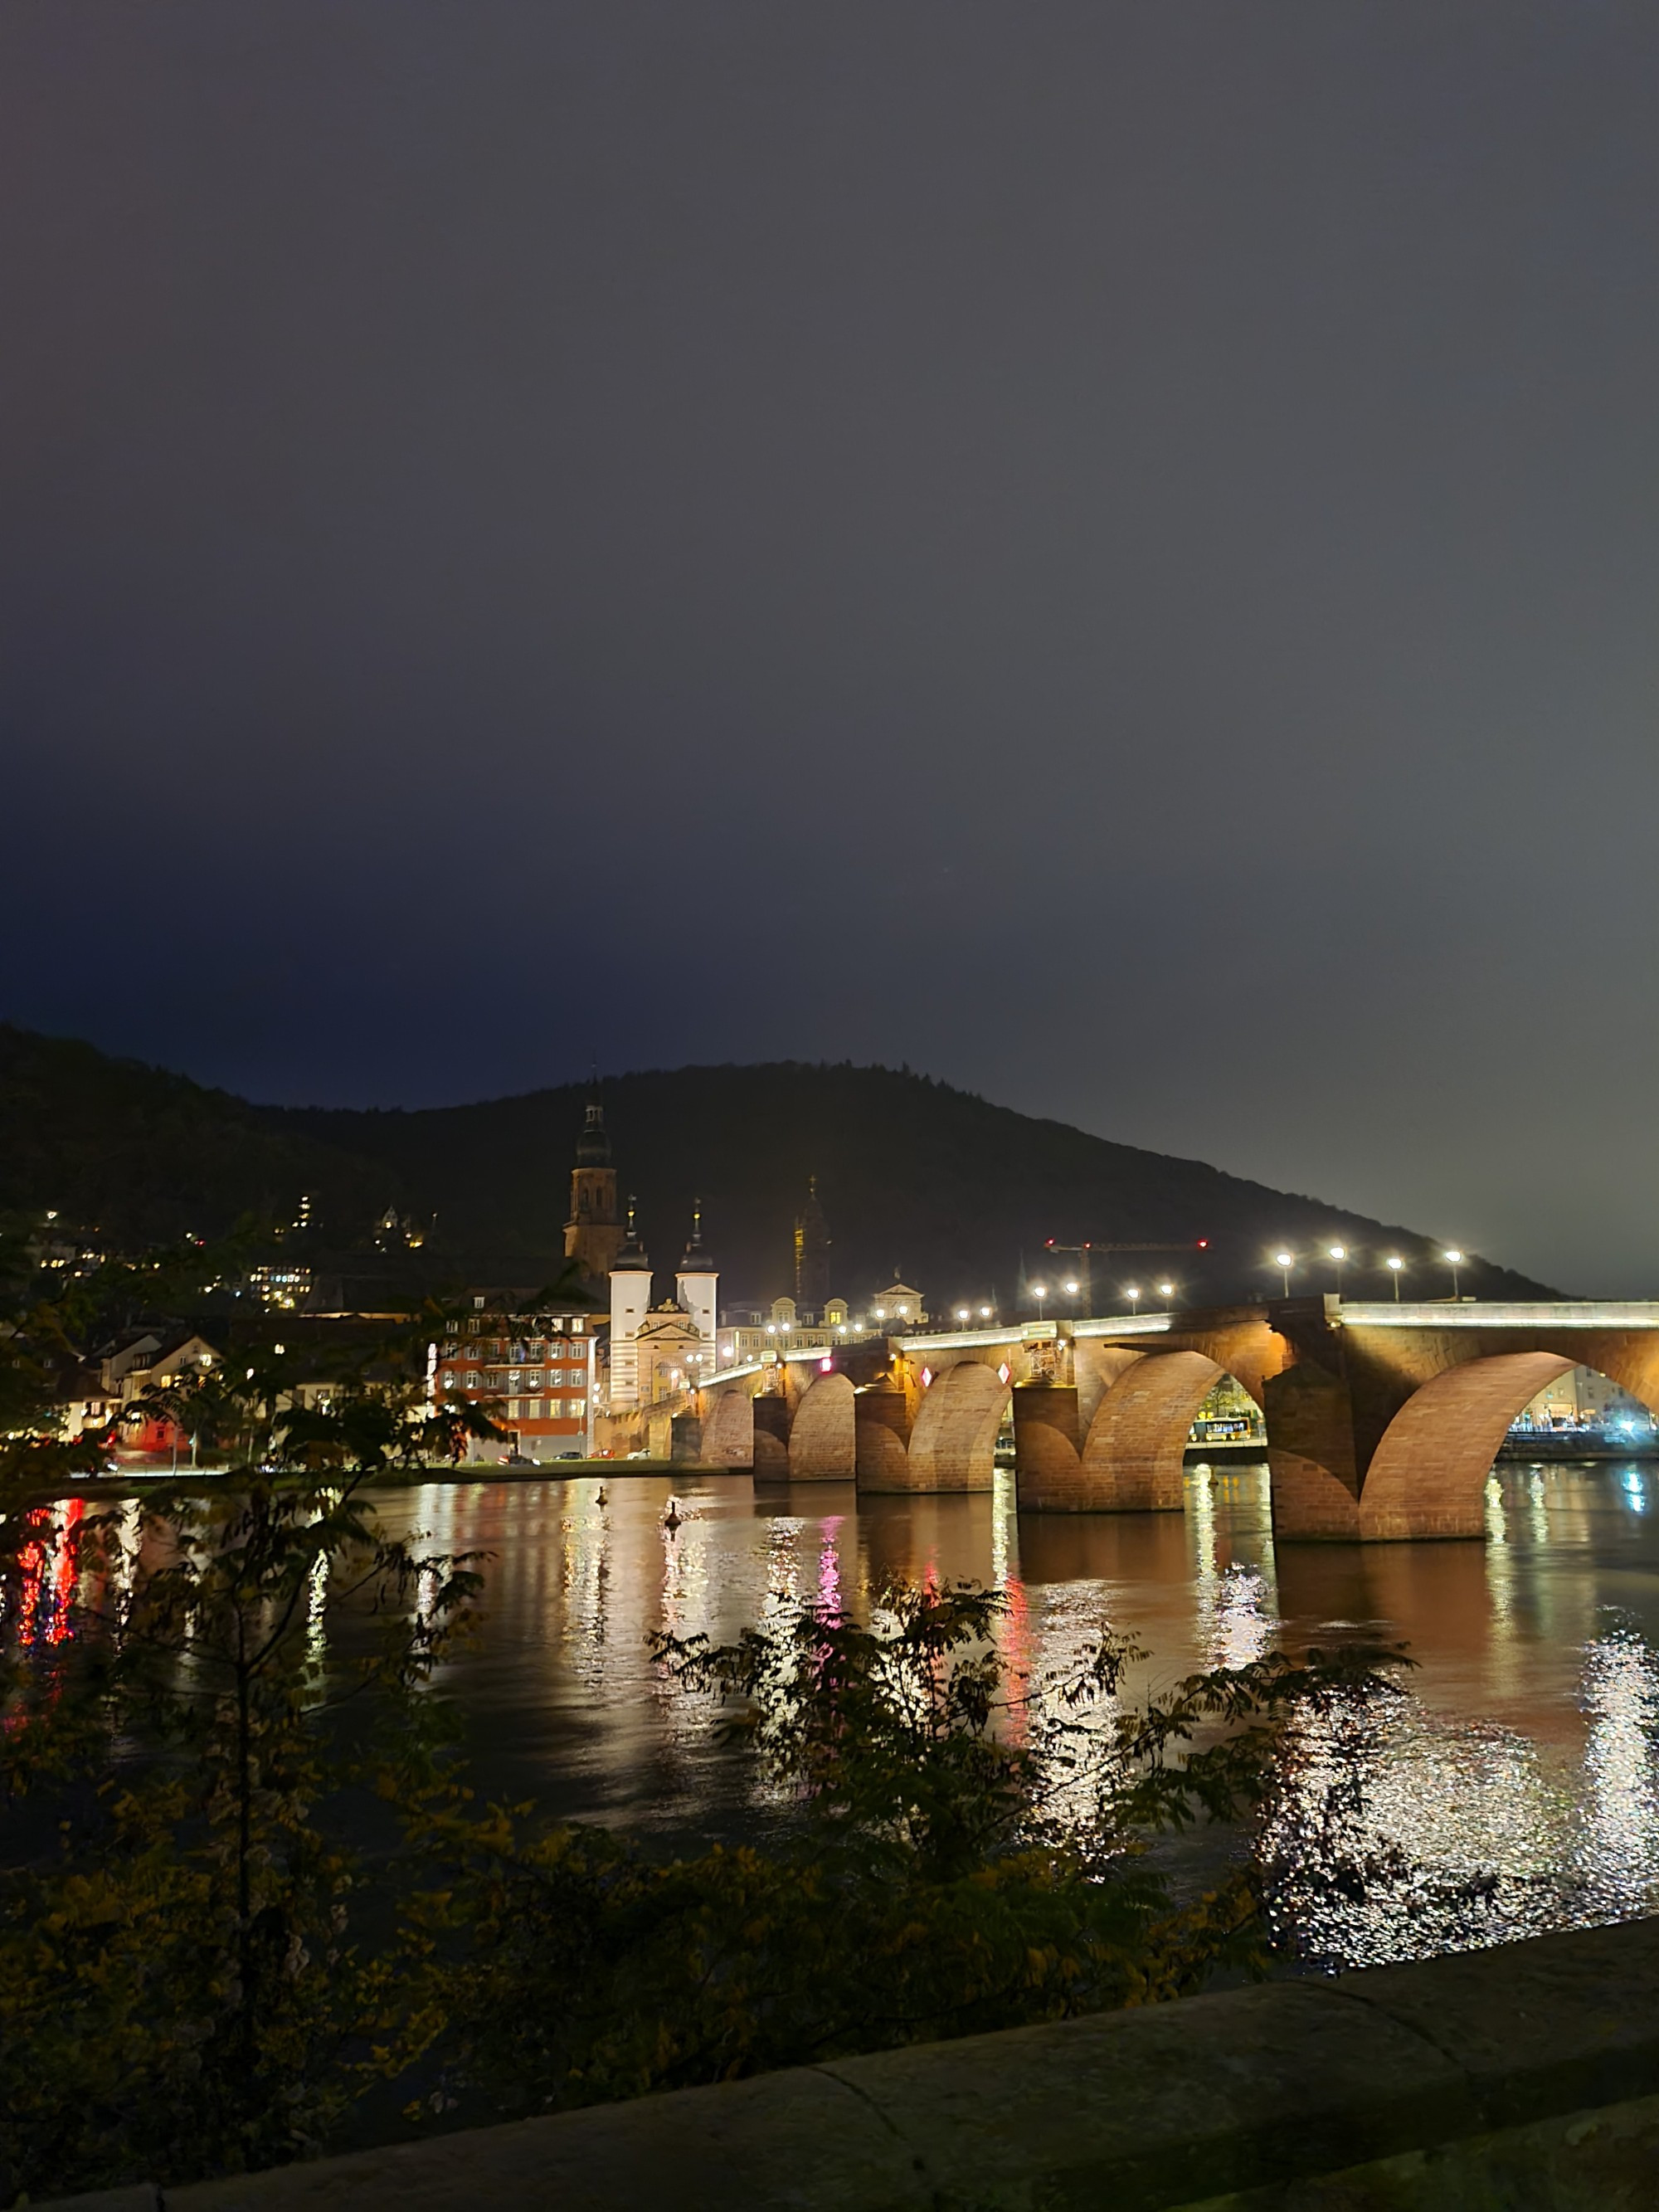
952 1191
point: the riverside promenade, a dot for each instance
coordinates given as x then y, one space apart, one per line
1524 2077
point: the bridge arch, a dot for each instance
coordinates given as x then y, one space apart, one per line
1428 1474
728 1430
823 1437
1121 1447
953 1441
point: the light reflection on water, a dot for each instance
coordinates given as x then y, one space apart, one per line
1516 1788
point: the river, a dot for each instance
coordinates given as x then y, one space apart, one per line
1515 1786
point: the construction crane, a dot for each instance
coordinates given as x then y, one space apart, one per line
1090 1245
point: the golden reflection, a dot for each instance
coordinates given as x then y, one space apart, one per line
1619 1855
1512 1786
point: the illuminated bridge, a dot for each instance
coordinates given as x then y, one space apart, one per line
1382 1420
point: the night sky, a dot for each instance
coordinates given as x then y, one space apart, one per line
1107 552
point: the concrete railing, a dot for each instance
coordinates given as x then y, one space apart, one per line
1524 2076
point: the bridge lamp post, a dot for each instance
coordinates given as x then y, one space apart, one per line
984 1313
1132 1294
1166 1291
963 1314
1039 1292
1395 1263
1339 1253
1285 1262
1454 1259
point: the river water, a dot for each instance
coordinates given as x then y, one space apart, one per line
1514 1788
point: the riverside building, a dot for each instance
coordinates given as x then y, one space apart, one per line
532 1371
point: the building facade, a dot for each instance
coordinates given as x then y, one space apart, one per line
532 1371
656 1350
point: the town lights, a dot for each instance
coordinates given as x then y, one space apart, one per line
1395 1263
1454 1259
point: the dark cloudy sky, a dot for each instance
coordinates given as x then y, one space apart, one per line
1106 551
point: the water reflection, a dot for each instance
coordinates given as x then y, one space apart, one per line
1514 1787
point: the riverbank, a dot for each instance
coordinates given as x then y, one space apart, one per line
1570 1448
134 1481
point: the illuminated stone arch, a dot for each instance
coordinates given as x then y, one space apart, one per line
1428 1474
1131 1459
953 1442
822 1438
728 1430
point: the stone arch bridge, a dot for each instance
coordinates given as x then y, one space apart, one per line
1383 1419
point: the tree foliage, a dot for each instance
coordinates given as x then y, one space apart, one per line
966 1851
186 1981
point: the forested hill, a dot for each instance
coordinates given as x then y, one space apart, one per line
951 1192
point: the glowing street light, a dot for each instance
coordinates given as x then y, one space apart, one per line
1039 1292
1339 1253
1395 1263
1132 1294
1166 1291
1454 1259
1285 1262
963 1314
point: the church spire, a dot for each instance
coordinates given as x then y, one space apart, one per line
695 1260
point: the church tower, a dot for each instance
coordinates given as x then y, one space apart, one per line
630 1301
696 1285
811 1252
594 1235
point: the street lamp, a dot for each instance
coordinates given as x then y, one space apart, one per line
1285 1262
1166 1291
1454 1259
1039 1292
1339 1253
963 1314
1132 1294
984 1313
1395 1263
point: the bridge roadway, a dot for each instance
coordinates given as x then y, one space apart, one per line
1382 1420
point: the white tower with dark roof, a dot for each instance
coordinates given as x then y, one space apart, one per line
630 1301
697 1282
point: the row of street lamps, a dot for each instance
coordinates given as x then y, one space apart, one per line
1283 1261
1339 1253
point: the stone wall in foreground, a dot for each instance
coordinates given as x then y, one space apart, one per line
1525 2078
